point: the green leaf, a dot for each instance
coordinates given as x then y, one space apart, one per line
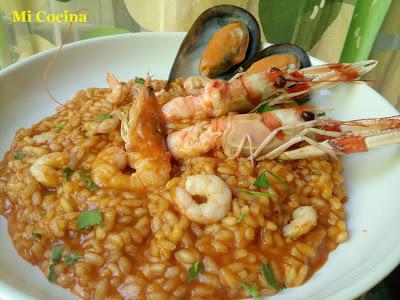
59 126
254 193
265 107
252 290
300 22
88 219
103 117
52 273
67 173
91 186
262 181
70 260
302 101
241 218
277 178
19 156
139 80
36 235
103 31
56 252
194 271
321 114
268 275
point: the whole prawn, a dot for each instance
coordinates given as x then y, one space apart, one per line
247 91
145 150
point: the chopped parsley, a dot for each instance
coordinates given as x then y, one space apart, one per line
268 275
88 219
254 193
19 156
262 181
322 114
67 173
280 180
103 117
194 271
265 107
241 218
36 235
52 273
56 252
70 260
301 101
59 126
139 80
91 186
252 290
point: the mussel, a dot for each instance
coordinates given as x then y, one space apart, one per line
280 56
233 36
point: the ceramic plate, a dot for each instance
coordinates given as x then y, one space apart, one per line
372 179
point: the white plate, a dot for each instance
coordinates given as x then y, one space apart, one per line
372 179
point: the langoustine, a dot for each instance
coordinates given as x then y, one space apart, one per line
270 134
248 91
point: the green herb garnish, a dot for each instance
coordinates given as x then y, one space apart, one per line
252 290
139 80
56 252
70 260
67 173
88 219
37 235
268 275
88 181
254 193
103 117
241 218
301 101
262 181
265 107
19 156
280 180
59 126
52 273
194 271
321 114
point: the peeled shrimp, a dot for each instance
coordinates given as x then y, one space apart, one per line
304 219
46 169
146 152
212 187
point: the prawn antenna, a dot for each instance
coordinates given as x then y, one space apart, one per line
53 60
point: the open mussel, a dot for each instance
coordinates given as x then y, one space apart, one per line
279 56
220 39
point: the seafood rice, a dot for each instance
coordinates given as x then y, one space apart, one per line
109 242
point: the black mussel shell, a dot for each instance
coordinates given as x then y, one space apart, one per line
285 48
195 42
